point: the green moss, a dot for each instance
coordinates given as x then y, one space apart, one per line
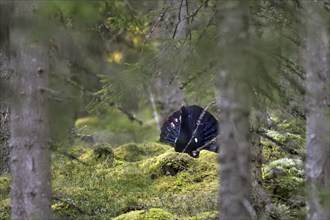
88 121
153 213
5 209
160 177
137 152
205 216
65 210
169 163
5 182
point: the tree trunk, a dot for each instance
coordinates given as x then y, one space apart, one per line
259 196
234 154
4 76
4 137
234 140
29 141
169 96
316 62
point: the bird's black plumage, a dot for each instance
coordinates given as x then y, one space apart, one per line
190 130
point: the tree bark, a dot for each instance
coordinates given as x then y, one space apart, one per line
4 81
29 141
259 196
316 63
168 94
234 140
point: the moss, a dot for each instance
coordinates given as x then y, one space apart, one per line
101 154
137 152
153 213
184 186
88 121
205 216
5 182
169 163
65 210
5 209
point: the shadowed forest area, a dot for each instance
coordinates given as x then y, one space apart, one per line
165 109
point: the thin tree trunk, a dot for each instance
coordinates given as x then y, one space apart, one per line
4 139
168 94
259 196
316 62
234 155
30 151
4 79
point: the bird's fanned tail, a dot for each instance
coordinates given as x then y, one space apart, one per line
190 130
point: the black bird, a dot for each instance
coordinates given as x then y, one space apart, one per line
190 130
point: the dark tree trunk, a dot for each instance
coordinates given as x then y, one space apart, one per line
316 62
30 150
4 82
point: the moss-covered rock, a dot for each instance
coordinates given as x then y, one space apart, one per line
153 213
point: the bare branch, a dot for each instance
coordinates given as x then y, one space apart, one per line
155 25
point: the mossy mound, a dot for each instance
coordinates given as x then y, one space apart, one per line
169 163
99 154
153 213
137 152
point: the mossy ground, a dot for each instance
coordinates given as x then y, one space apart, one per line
107 182
151 181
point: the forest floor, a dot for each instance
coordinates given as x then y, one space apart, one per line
93 179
